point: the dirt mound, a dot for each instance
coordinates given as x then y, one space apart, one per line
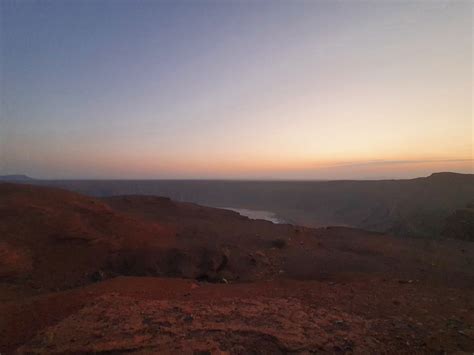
57 239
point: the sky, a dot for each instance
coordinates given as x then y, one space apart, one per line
262 89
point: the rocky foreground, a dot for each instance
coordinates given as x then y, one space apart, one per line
147 274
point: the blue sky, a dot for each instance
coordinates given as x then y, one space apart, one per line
235 89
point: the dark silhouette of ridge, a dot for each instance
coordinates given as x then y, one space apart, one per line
16 178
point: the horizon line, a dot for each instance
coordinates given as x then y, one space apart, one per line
266 179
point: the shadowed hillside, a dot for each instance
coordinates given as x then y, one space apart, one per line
460 224
417 207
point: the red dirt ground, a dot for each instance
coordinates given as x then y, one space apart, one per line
204 280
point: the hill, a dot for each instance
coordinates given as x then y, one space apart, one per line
16 178
149 274
59 239
415 207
